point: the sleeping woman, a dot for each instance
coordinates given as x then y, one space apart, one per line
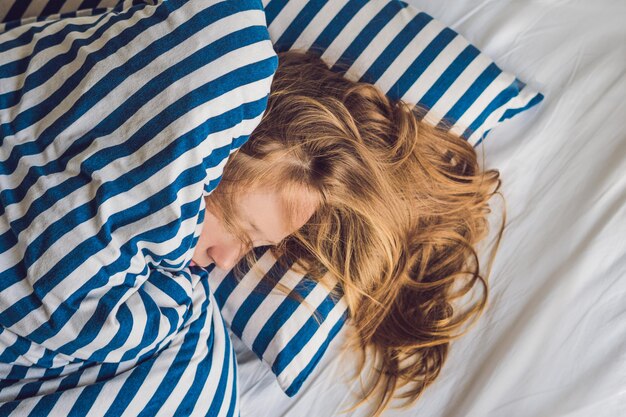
346 181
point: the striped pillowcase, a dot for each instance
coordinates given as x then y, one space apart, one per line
264 311
406 53
410 56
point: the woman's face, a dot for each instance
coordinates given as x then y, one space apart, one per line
263 216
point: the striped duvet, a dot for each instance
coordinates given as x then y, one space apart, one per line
113 127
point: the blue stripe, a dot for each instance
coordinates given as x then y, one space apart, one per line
11 25
132 385
20 66
15 375
26 38
177 109
47 402
301 338
91 393
337 24
256 297
204 367
443 83
272 10
421 63
90 4
369 32
230 281
469 97
228 370
513 111
298 25
234 393
395 47
52 7
17 10
181 363
31 389
109 301
281 315
59 271
314 360
92 96
500 100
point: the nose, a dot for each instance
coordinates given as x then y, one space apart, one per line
225 259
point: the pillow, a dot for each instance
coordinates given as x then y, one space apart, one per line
410 56
112 128
406 53
289 333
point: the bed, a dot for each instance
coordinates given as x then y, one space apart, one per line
552 342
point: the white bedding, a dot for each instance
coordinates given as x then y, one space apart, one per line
553 341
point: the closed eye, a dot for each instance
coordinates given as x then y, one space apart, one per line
261 242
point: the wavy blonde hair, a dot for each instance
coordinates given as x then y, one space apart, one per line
401 206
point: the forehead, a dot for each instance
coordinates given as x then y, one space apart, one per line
274 214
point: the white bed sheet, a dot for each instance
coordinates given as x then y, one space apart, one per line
553 341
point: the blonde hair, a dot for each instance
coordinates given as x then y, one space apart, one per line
400 208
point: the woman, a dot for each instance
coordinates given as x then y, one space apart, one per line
344 180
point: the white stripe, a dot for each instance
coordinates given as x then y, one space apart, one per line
303 312
70 6
381 41
5 6
216 277
302 359
500 83
18 52
284 18
33 97
460 85
317 25
68 398
221 339
351 31
166 358
434 70
35 8
269 305
405 58
232 374
519 101
246 285
132 300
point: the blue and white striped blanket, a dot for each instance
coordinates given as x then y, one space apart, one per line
113 127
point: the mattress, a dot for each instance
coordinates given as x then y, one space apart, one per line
552 342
